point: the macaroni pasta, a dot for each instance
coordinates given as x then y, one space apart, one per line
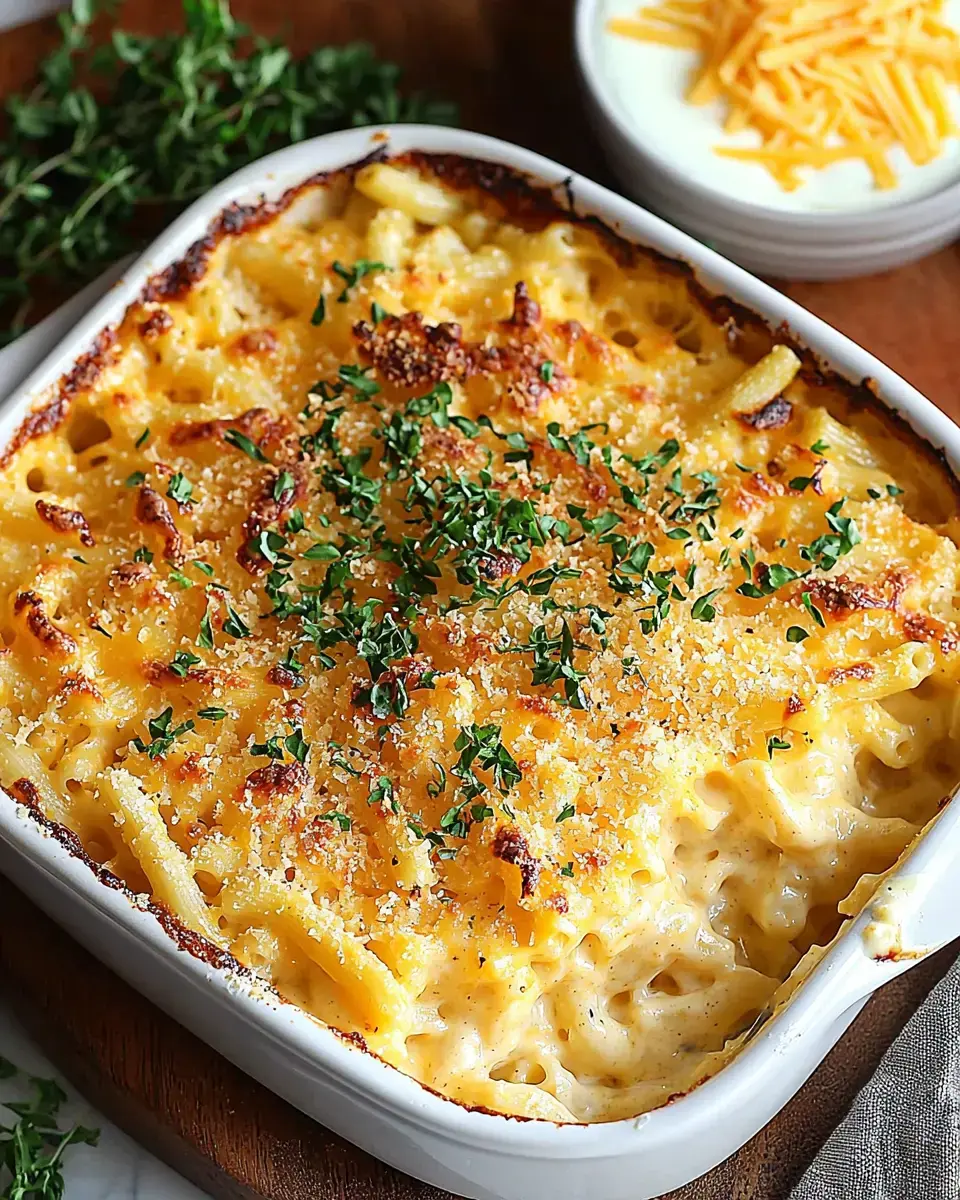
509 653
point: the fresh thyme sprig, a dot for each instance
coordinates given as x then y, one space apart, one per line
32 1148
121 135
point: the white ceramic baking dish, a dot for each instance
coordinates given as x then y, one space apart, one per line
478 1154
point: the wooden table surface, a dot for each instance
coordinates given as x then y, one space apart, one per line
509 64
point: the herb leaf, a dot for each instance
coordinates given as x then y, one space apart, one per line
242 442
32 1149
180 488
175 114
351 276
162 734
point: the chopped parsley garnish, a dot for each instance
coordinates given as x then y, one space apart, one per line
296 747
355 492
597 526
825 550
359 379
471 528
351 276
211 714
630 559
382 793
180 488
567 870
702 609
453 823
285 482
205 636
134 480
203 567
434 404
271 748
819 446
319 312
338 759
553 659
322 552
234 624
178 577
337 818
578 444
481 748
143 555
274 747
162 734
142 439
242 442
183 660
812 609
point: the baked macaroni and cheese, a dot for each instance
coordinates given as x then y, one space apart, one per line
514 656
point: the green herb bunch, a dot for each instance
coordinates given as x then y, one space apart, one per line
32 1148
114 138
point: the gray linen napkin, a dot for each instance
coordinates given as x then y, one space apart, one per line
901 1138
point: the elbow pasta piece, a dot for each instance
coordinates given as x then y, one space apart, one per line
374 994
761 383
509 659
395 188
390 237
144 832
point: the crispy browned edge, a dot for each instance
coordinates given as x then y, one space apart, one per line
526 202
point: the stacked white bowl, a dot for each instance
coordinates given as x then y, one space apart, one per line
837 225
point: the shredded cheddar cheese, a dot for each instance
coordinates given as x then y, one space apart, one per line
819 80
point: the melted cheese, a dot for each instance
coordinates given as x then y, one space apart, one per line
509 662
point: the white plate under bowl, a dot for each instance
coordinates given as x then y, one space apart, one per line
778 258
765 237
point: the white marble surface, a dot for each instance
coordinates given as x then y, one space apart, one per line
116 1169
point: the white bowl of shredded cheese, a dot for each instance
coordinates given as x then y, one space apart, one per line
813 139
